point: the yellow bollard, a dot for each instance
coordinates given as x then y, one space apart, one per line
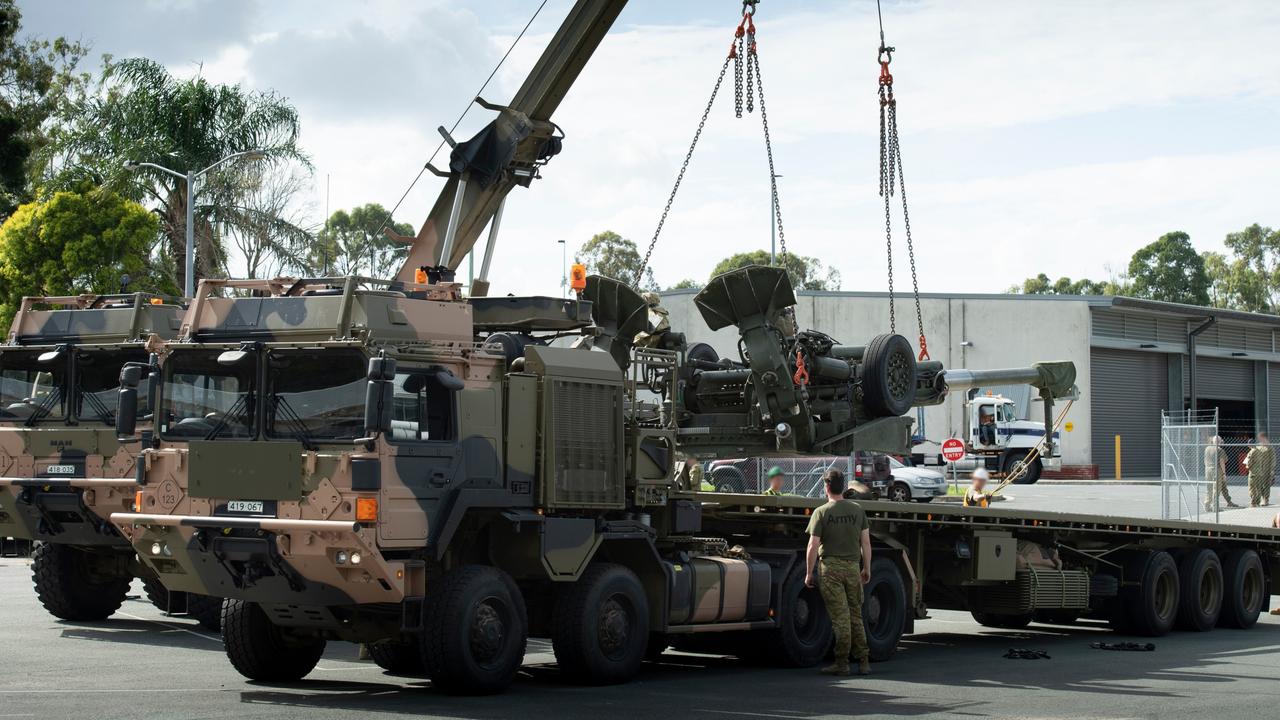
1117 457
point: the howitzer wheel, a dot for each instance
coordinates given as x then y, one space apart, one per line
889 376
600 625
71 585
474 631
261 650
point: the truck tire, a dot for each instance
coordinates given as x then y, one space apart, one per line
889 376
1200 605
1031 476
205 610
68 587
658 644
398 656
160 596
1245 590
1152 605
261 650
884 608
804 636
1064 616
475 627
600 626
729 480
1003 622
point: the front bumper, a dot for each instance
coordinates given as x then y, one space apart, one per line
66 511
929 491
271 560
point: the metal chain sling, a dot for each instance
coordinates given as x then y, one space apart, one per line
891 166
746 62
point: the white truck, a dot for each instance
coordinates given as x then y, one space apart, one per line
996 438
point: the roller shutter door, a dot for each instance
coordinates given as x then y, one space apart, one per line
1219 378
1129 390
1273 398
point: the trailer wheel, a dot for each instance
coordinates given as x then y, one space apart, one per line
1245 589
889 376
1001 621
398 656
600 625
884 608
474 631
1152 606
70 587
804 634
1200 574
261 650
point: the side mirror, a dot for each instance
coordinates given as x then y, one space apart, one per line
130 376
449 381
382 368
127 411
378 398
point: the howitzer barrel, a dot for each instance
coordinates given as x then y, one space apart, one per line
1056 378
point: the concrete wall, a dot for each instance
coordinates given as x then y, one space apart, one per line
1003 332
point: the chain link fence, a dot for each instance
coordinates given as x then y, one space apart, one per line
1203 466
803 475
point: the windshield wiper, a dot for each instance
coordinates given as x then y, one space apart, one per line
292 418
240 405
104 413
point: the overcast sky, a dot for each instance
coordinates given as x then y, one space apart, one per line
1043 136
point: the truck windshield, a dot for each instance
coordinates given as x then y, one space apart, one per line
204 399
316 394
98 384
31 391
1007 414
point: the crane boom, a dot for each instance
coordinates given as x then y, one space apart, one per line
511 148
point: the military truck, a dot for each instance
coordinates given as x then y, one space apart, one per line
62 469
425 473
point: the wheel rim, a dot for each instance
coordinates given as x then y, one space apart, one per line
874 609
1251 589
899 494
488 634
805 617
1165 595
617 626
901 378
1211 591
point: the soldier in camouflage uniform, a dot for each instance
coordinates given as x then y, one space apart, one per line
1261 462
838 532
1215 472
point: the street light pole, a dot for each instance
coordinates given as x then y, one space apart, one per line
190 178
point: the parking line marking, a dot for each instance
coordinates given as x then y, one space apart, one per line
172 626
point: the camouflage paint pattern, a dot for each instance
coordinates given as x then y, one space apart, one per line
841 588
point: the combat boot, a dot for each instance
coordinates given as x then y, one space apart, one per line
864 666
837 669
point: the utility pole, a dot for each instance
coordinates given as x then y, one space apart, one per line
773 219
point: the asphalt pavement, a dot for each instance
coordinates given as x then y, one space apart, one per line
140 664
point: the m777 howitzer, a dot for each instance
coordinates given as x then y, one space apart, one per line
425 473
62 469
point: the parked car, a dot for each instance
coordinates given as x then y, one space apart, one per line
914 483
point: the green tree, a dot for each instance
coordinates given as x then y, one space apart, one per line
687 284
350 243
36 76
613 256
75 242
806 273
1253 273
138 111
1171 270
1040 285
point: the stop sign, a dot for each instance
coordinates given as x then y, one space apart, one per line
952 449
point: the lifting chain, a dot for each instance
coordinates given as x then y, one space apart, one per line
746 63
891 169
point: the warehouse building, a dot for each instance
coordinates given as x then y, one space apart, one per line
1132 359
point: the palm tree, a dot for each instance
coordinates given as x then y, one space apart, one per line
141 112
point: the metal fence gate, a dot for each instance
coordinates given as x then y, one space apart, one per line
1191 459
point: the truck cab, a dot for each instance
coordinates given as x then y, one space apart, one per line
997 438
